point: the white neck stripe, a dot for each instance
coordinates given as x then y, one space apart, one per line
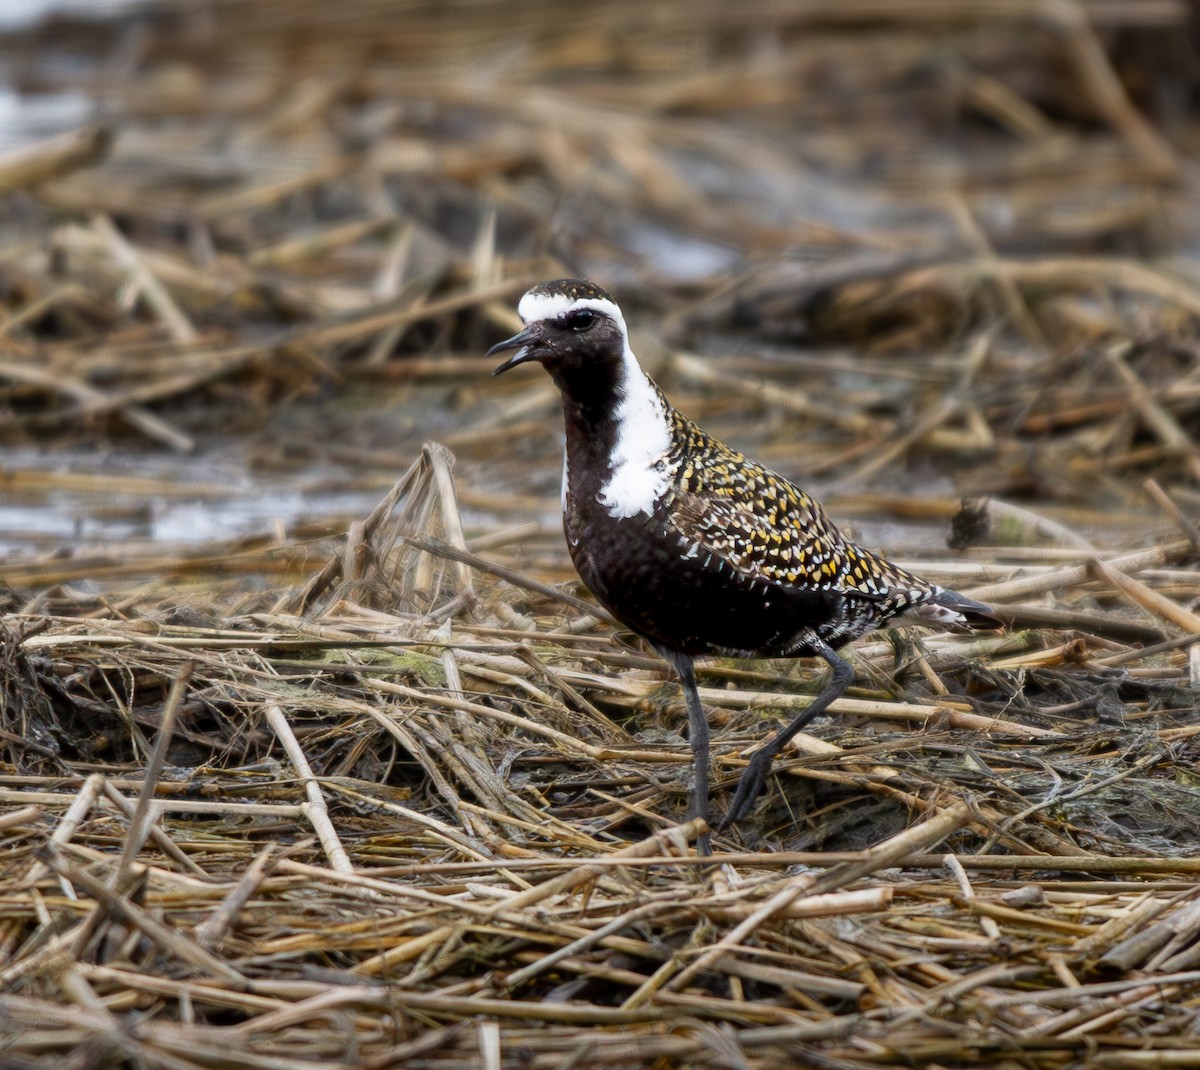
638 471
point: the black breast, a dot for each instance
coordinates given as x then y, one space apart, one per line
639 572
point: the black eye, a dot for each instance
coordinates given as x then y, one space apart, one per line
579 320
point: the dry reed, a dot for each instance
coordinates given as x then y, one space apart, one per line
386 788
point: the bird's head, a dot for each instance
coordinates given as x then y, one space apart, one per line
570 325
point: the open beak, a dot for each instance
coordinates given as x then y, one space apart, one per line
526 345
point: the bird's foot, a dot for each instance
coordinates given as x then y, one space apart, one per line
748 789
704 840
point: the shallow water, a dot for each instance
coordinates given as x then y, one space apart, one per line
196 501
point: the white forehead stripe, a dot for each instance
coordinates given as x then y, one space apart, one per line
543 306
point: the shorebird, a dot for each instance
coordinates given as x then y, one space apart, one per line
693 546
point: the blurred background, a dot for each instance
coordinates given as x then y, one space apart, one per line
904 251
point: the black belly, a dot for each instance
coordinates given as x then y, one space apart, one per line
637 571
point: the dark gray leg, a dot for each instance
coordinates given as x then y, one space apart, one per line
755 776
698 737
